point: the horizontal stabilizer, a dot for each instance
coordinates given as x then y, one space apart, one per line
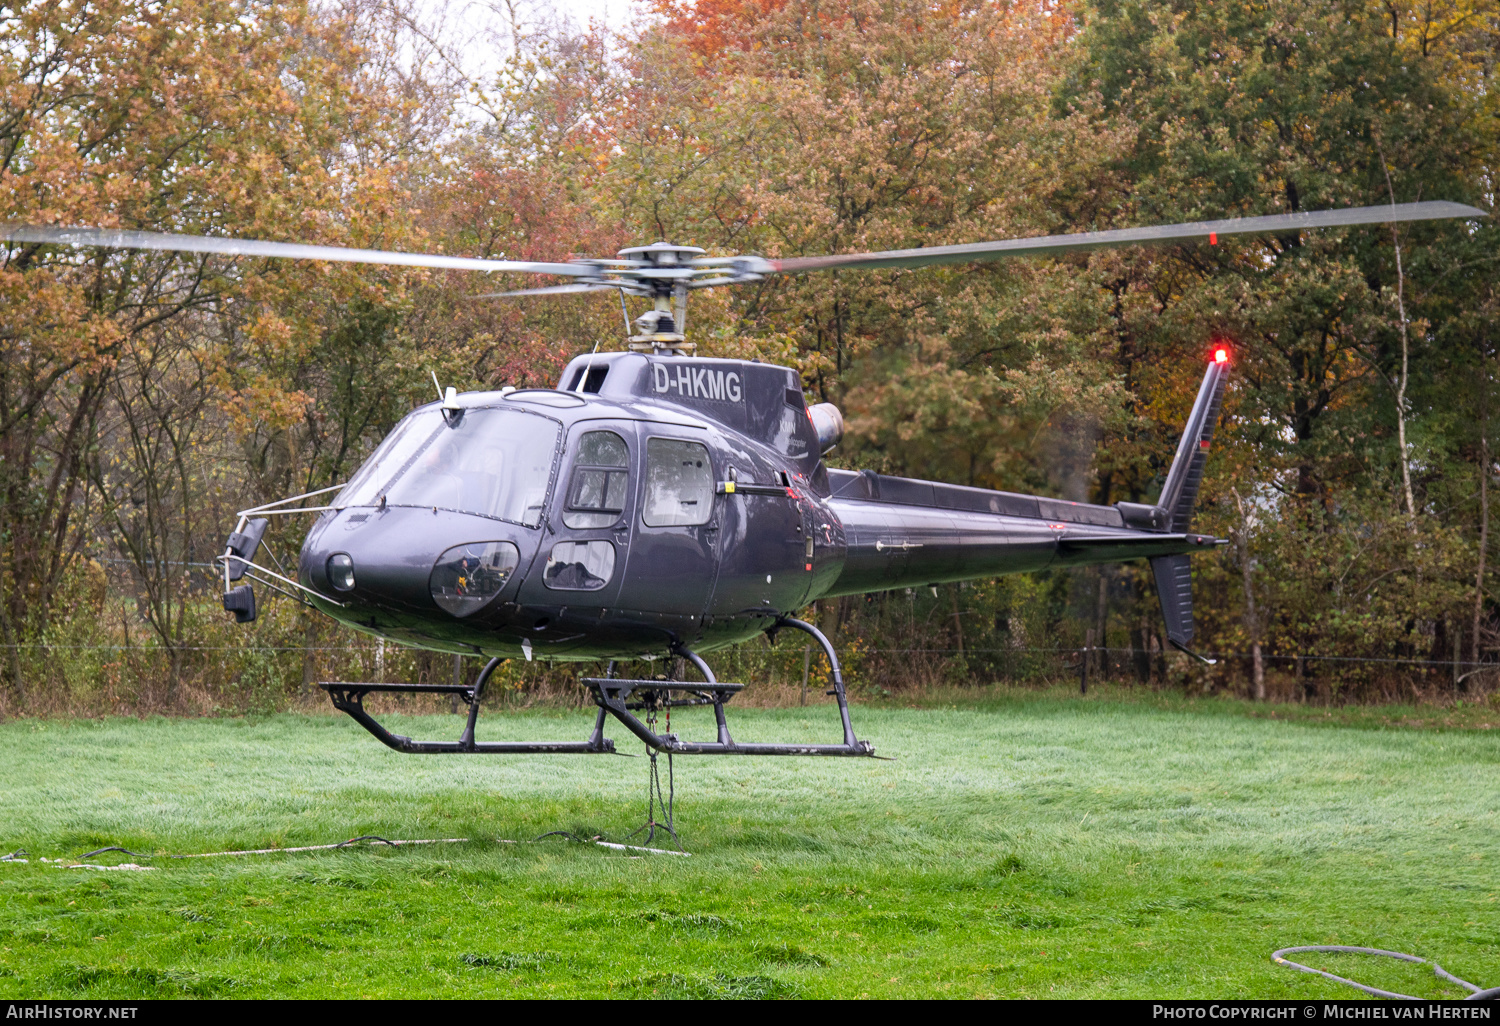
1077 548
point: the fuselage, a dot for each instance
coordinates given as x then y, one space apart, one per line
657 500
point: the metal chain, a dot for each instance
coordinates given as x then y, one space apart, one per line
654 795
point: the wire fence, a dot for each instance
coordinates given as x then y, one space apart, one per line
1076 650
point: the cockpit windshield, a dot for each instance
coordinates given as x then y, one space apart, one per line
494 462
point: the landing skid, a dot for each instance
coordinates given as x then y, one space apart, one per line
614 697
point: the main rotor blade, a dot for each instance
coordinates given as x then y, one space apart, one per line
118 239
552 290
1050 244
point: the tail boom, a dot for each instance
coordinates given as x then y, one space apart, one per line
902 533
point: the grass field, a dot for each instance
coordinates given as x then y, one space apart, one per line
1021 845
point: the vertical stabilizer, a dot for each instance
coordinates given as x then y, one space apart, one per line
1174 574
1174 586
1180 493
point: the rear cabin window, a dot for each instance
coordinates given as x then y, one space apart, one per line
601 481
679 484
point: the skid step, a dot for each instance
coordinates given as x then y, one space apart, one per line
621 684
415 689
651 694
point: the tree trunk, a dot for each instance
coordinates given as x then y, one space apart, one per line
1140 654
309 653
1252 615
1484 534
1258 667
13 646
1411 511
958 625
1457 658
1101 614
1439 653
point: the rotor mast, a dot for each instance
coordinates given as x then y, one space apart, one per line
665 269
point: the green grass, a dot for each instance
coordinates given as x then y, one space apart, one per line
1022 845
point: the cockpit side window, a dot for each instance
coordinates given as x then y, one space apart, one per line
601 481
679 484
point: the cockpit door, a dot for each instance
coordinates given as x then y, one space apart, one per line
674 553
584 550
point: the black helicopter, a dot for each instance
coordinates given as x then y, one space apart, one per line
660 504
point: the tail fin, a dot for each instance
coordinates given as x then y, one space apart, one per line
1174 579
1180 493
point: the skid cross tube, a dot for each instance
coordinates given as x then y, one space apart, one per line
833 668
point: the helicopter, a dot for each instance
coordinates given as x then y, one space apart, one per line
660 504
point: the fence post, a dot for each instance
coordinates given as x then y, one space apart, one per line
806 665
1083 662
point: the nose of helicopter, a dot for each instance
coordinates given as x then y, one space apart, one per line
412 560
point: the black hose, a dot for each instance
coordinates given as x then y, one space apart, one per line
101 851
364 837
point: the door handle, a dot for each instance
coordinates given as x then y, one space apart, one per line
742 488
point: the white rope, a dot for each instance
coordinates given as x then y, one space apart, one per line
1477 993
72 864
321 847
633 847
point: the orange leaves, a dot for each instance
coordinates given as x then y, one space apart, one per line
712 28
718 30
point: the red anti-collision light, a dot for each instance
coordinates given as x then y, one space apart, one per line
1221 355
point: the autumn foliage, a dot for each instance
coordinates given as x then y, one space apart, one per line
145 397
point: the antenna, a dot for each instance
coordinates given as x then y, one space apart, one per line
583 379
449 399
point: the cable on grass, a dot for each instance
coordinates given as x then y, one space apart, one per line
1477 993
325 847
17 855
365 837
101 851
